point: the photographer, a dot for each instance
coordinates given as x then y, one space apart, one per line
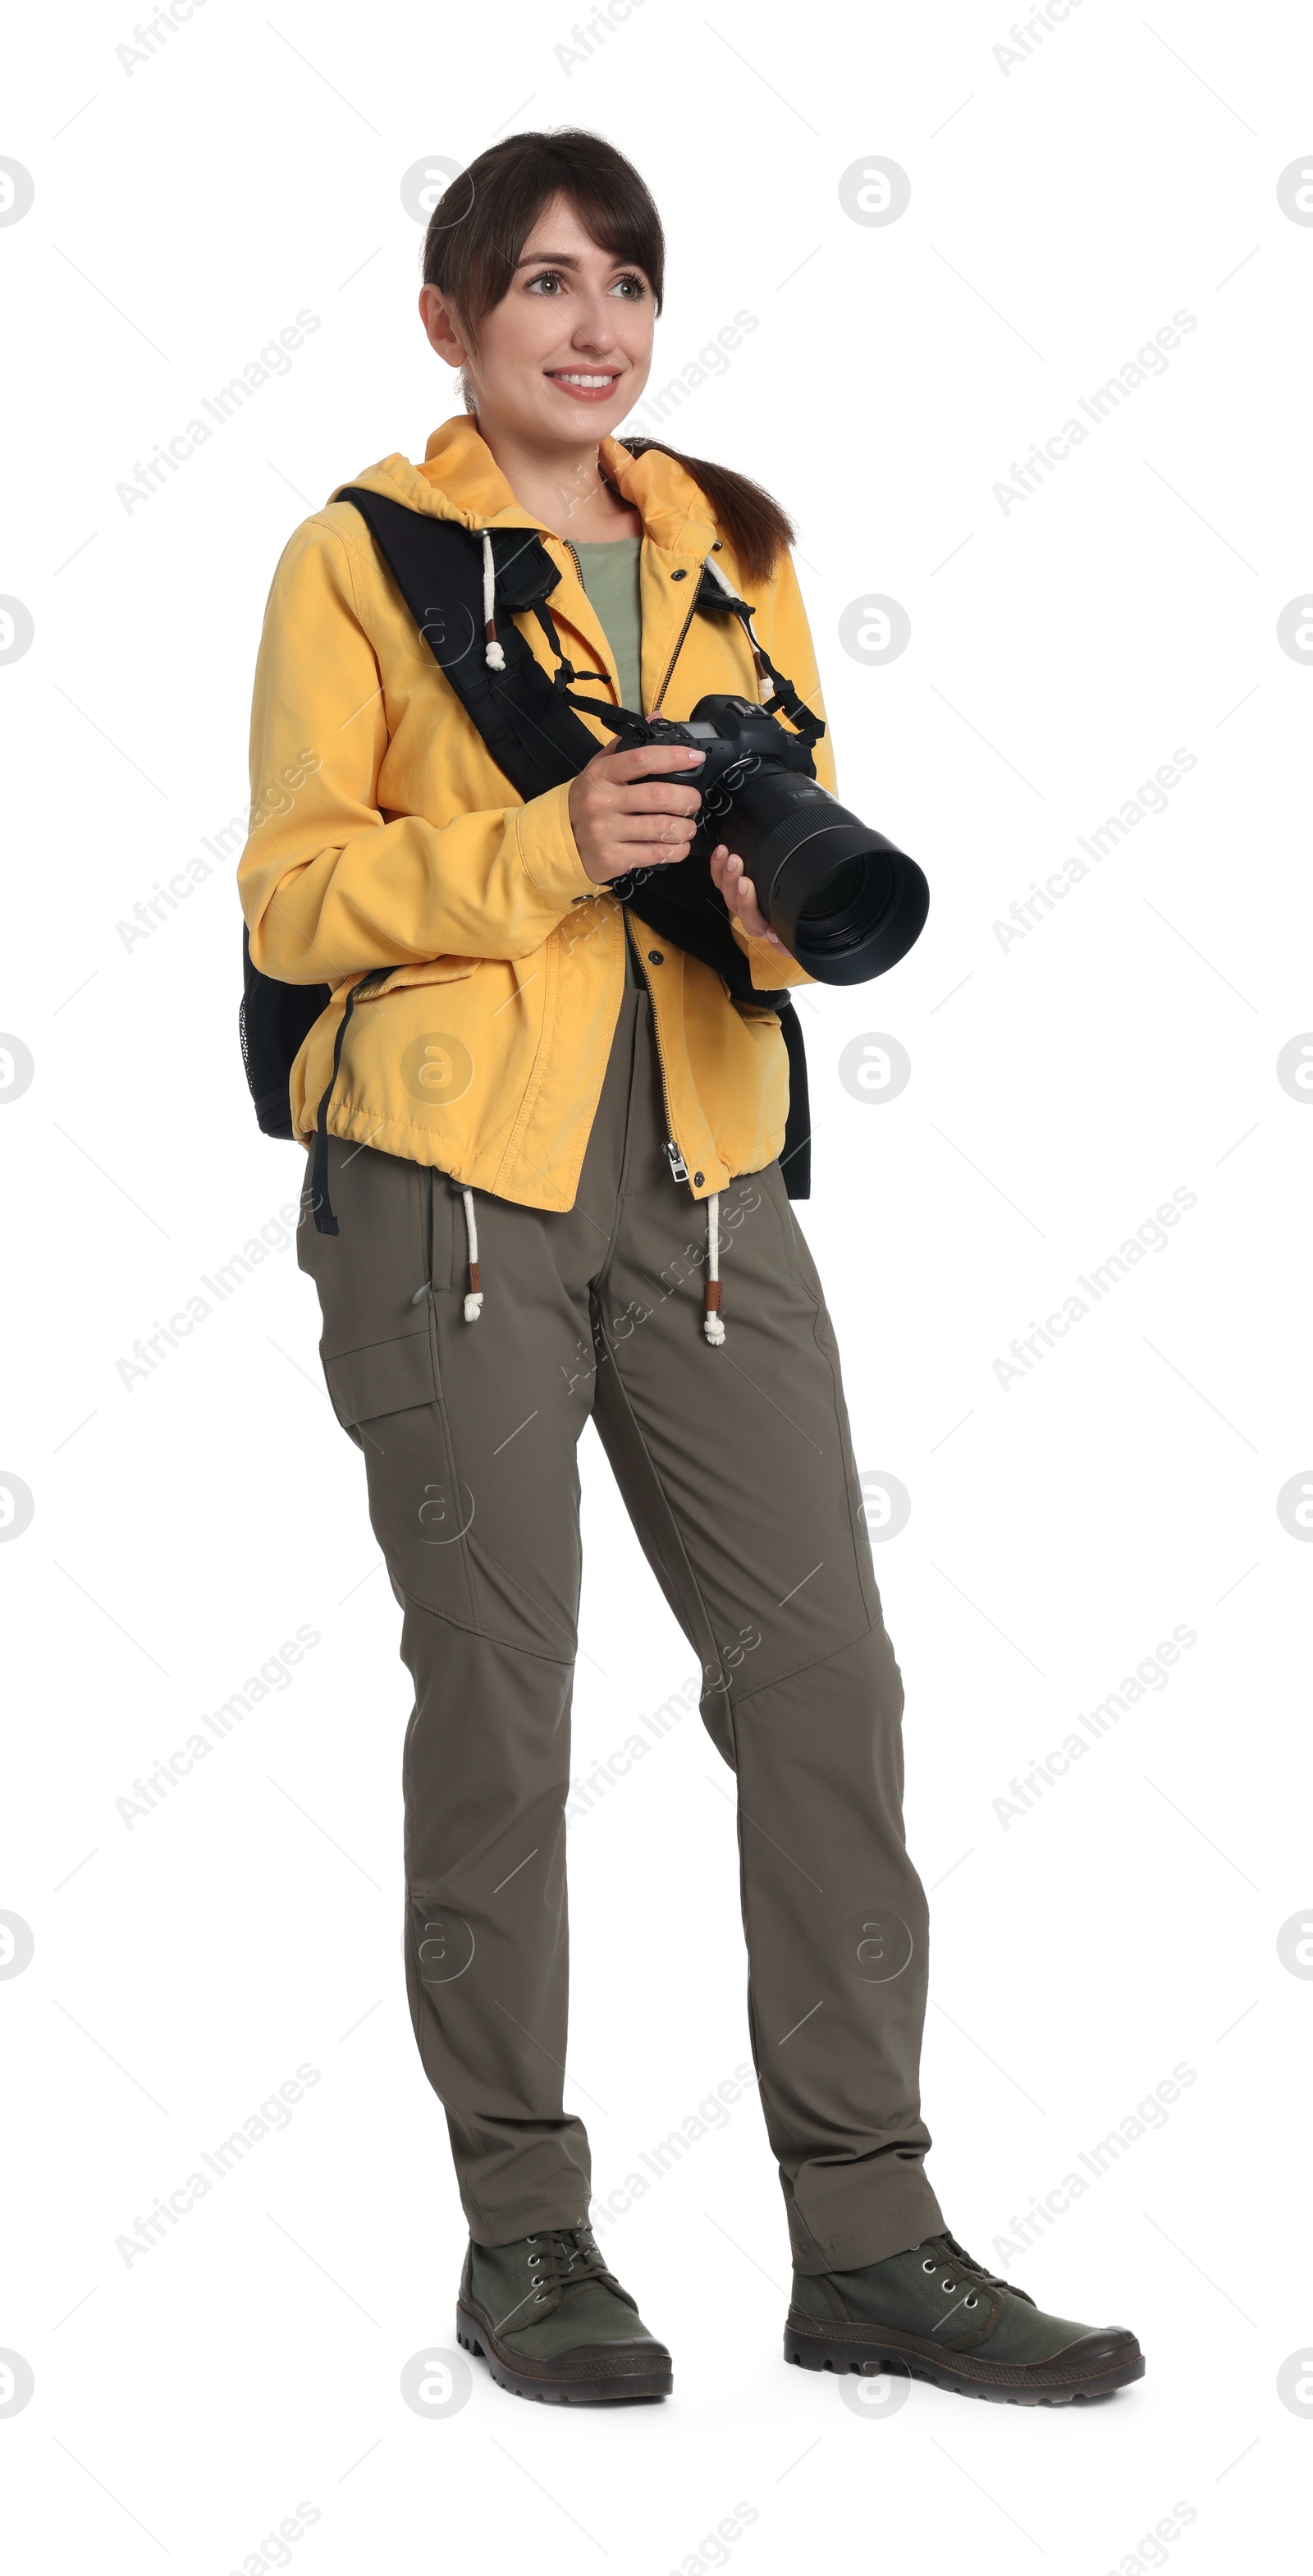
546 1128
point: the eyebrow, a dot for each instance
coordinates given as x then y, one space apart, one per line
563 259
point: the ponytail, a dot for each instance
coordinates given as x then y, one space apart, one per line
754 526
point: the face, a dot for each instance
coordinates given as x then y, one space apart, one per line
566 353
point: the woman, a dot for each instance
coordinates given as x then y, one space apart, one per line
543 1122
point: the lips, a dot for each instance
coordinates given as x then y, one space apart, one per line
585 384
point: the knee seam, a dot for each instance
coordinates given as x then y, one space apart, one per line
824 1656
508 1645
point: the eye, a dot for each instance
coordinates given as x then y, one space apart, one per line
546 282
632 287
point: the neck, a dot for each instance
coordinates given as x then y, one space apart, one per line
562 485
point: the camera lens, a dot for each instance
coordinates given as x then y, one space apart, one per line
857 903
841 898
847 906
845 902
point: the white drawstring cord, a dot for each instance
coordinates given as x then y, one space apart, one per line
723 578
712 1324
766 683
474 1299
492 651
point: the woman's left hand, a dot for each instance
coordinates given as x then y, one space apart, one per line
741 895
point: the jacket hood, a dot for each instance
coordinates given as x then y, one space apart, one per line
461 479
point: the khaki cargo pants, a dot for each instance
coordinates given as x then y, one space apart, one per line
736 1468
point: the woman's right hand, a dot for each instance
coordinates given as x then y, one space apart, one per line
621 820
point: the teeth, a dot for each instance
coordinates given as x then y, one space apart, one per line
563 378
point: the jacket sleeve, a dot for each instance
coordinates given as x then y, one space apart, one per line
781 624
330 886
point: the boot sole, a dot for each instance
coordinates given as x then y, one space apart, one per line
816 2347
620 2388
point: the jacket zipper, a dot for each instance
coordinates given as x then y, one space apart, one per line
679 643
682 1172
680 638
665 1087
579 571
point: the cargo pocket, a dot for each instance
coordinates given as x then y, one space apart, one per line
383 1377
388 1399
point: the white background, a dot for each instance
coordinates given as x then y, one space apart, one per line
1062 209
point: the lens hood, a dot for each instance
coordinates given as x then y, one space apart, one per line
844 901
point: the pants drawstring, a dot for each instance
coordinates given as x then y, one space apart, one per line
712 1324
474 1297
712 1320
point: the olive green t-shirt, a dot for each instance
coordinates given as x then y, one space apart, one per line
609 573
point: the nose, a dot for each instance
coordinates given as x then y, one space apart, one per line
595 330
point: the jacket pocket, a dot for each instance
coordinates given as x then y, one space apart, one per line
434 970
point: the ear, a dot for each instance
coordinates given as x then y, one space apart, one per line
444 331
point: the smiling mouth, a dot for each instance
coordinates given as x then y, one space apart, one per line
586 384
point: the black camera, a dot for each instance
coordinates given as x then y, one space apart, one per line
844 902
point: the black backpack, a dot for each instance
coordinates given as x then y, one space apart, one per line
527 720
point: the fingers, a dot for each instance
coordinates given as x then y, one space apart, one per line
741 894
638 799
649 758
667 832
623 818
727 869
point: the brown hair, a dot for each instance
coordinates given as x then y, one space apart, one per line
476 237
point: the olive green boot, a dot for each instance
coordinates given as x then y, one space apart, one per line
939 2315
553 2322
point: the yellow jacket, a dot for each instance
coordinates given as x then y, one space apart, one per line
383 834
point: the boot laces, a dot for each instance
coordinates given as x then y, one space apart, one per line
564 2258
945 2249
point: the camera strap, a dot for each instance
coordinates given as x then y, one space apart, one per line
715 597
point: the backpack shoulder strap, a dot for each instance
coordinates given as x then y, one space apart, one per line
533 735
